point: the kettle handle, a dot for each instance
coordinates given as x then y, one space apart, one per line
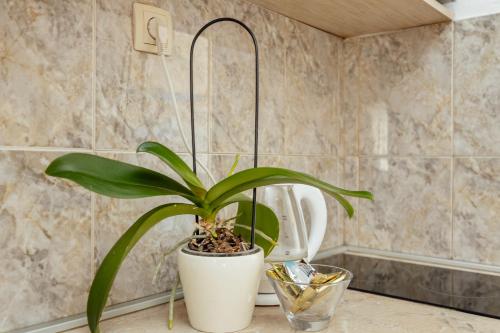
314 199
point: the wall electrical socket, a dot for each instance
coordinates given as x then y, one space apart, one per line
143 27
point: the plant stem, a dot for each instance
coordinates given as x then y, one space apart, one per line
171 304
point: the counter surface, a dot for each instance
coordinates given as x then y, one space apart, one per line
358 313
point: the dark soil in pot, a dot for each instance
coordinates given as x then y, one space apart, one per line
222 240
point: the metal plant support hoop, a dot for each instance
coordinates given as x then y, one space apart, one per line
256 124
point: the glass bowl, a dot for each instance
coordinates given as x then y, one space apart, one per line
310 307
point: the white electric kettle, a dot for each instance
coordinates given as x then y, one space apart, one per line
289 202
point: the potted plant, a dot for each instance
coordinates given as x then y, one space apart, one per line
218 271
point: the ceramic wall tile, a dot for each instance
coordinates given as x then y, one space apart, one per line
45 73
233 80
189 16
349 103
411 212
136 277
477 89
349 167
220 165
476 209
404 92
312 71
133 99
232 113
45 246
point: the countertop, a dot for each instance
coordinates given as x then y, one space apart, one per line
358 312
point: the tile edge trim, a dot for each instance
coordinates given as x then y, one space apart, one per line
79 320
422 260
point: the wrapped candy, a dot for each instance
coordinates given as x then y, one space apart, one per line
299 271
305 285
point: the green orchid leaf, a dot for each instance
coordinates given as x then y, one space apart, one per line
267 226
114 178
263 176
343 201
109 267
175 163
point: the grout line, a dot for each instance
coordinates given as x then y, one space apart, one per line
285 99
340 126
44 149
124 151
92 234
209 167
338 216
452 89
94 85
270 154
427 156
374 157
358 167
339 174
120 151
94 71
340 101
476 156
452 167
358 98
337 102
358 140
452 125
210 91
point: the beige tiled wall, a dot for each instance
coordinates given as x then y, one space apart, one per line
45 237
420 123
477 140
71 81
397 116
411 115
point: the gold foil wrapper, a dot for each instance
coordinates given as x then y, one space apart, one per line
303 298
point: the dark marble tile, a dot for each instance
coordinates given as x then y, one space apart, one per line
464 291
337 260
478 293
416 282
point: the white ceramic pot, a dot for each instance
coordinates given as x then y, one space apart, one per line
219 289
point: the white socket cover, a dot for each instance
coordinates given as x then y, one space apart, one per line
143 40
